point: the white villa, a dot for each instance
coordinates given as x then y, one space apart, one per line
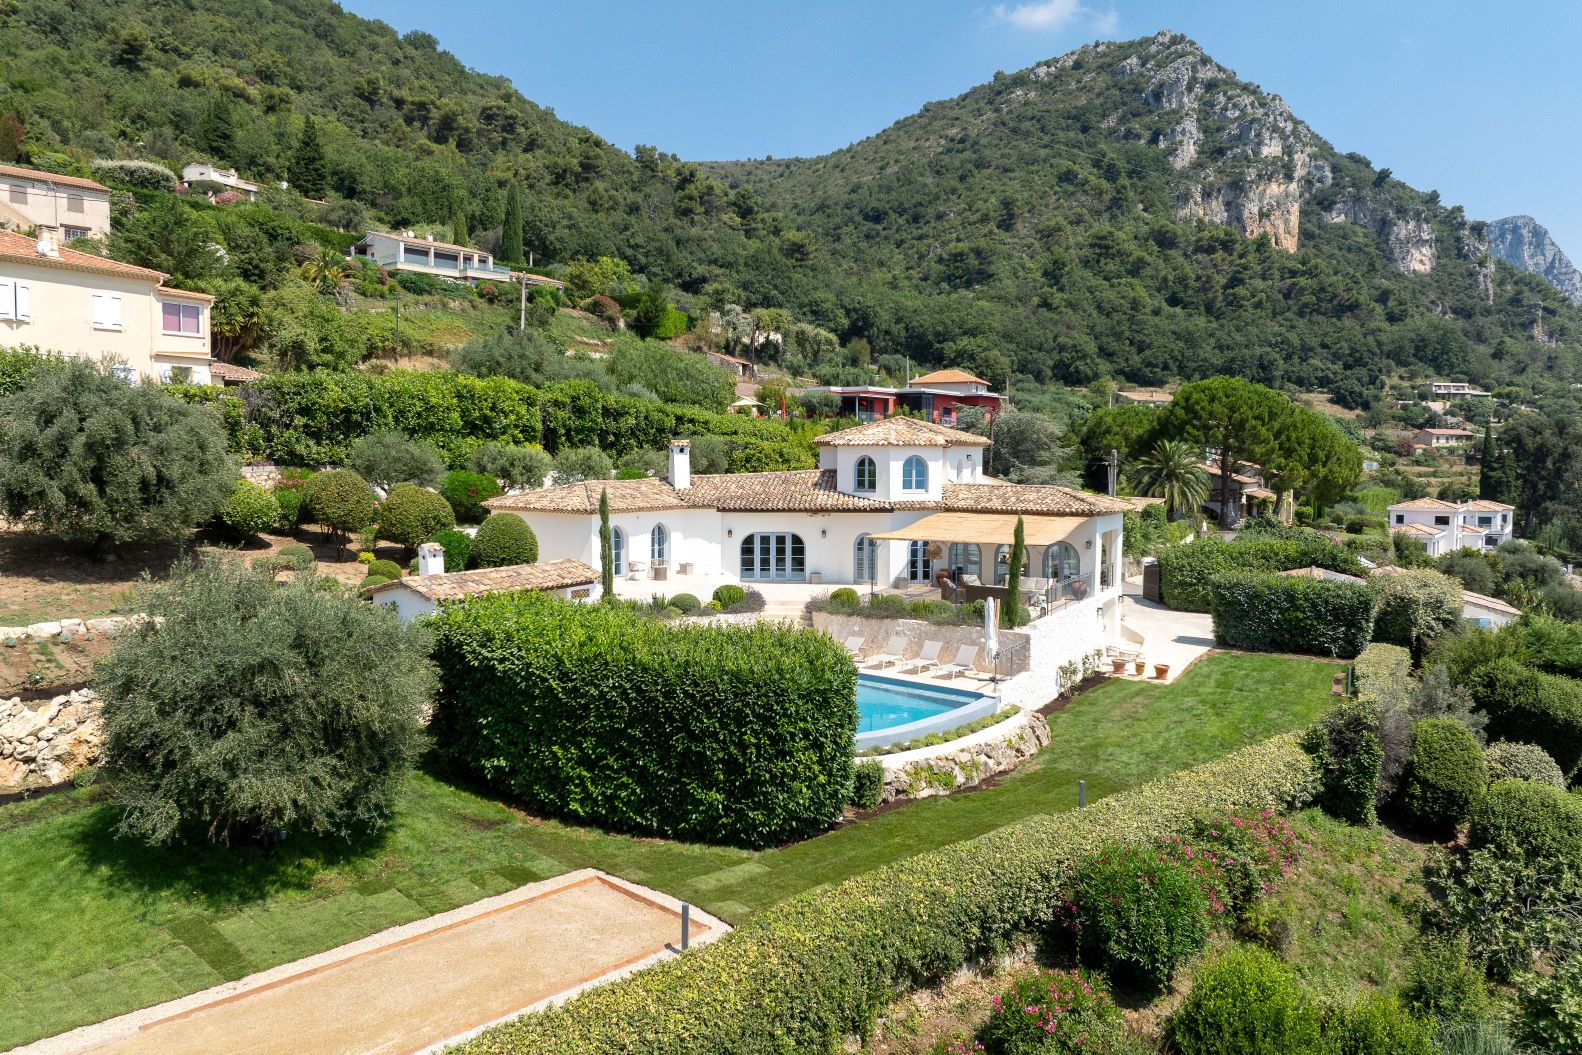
425 256
894 503
1445 526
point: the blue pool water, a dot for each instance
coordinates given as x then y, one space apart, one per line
884 703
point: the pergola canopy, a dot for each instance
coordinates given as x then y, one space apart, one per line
991 528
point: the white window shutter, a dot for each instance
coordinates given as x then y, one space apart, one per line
98 309
23 309
113 304
7 298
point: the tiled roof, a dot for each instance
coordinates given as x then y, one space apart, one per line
1473 529
1423 505
1313 571
1141 502
1213 470
1447 432
948 377
189 294
1483 505
626 496
796 490
900 432
232 372
1416 530
1045 499
455 585
52 177
425 242
17 247
1491 603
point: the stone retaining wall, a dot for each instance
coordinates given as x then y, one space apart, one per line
962 763
67 629
47 742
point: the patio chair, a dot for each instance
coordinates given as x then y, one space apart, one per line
966 659
891 654
854 645
928 657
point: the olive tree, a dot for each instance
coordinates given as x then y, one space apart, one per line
387 457
94 460
245 709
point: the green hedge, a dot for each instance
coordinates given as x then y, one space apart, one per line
1383 672
723 734
1446 776
1186 573
1263 612
801 975
1531 821
1529 707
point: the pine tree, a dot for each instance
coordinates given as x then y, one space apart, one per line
511 231
458 225
309 169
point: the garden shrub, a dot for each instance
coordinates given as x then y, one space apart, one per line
466 492
845 597
1447 775
1140 913
1383 672
1186 572
411 515
751 601
1237 859
1531 707
1264 612
1509 909
504 539
298 556
370 581
1377 1024
457 546
513 466
1345 745
1442 980
867 787
686 603
1245 1001
205 739
1522 820
389 569
728 594
339 500
389 457
1416 607
1048 1012
1508 761
250 509
288 501
829 961
1550 1009
725 734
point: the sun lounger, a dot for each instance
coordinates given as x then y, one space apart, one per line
928 657
966 656
891 654
854 645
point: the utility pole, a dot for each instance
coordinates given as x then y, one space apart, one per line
398 323
1113 462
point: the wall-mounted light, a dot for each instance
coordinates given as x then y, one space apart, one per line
1090 543
823 533
730 533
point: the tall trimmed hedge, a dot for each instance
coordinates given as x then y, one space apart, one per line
1530 707
1384 672
722 734
1447 775
1186 573
1263 612
803 974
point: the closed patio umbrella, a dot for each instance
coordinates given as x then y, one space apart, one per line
991 624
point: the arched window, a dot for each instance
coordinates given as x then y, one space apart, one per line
658 543
914 474
1060 562
618 550
865 559
966 557
867 474
1002 563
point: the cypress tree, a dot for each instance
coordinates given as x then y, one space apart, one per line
458 225
309 169
606 548
1486 467
511 231
1012 615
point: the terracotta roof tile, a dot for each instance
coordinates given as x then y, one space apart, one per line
455 585
1313 571
1491 603
900 432
1483 505
1416 530
626 496
948 377
52 177
17 247
232 372
1422 505
189 294
1045 499
796 490
1447 432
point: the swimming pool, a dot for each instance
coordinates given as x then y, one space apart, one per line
892 711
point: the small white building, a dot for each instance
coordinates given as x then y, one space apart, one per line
1445 526
422 594
1456 390
1490 613
56 207
1440 439
198 171
425 256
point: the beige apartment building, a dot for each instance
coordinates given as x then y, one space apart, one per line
68 303
58 207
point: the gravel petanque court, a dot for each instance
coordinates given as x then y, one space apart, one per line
417 987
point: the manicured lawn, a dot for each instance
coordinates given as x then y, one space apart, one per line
94 927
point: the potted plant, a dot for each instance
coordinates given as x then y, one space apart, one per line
1118 665
1161 671
1139 667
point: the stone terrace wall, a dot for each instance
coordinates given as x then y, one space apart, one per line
930 771
47 742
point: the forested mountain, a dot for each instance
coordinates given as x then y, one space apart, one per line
1524 243
1129 210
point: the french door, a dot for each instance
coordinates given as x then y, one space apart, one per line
774 556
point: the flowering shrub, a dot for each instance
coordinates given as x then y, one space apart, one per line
1237 860
957 1045
1048 1012
1141 912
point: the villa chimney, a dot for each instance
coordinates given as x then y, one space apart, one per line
430 559
680 464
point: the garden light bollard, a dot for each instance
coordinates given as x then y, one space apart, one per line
686 925
1082 794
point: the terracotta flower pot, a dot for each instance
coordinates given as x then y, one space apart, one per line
1161 671
1140 667
1118 666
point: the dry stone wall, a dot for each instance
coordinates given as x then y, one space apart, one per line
48 741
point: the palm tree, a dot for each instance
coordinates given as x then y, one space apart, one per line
1174 472
326 270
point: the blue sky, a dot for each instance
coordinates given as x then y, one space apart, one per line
1480 101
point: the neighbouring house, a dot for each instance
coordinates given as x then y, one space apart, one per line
199 172
938 397
424 256
1152 397
739 367
1313 571
1490 613
422 594
69 303
1453 390
1446 526
56 207
1439 439
230 374
1249 495
749 407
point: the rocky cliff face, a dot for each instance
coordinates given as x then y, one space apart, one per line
1523 243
